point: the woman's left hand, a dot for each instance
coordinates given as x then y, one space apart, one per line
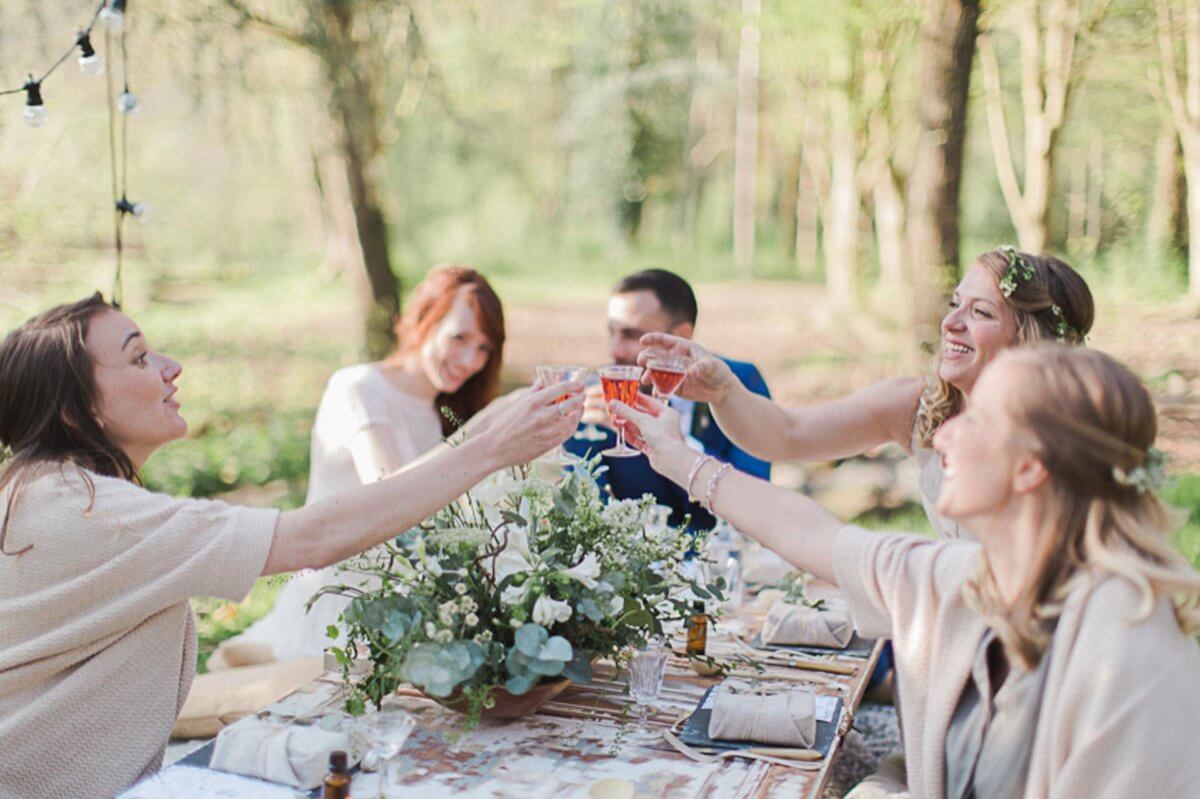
650 426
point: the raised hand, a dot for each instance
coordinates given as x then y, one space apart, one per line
533 424
651 425
708 377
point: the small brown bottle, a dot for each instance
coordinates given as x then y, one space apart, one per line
337 781
697 634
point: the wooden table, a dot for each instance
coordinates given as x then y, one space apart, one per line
577 739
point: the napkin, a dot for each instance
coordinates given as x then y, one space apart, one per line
780 718
800 625
296 755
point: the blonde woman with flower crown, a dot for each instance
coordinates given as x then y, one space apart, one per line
1005 298
1054 657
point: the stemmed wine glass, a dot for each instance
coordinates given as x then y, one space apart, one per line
552 375
621 383
386 730
666 375
647 667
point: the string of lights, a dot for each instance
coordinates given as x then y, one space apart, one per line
110 13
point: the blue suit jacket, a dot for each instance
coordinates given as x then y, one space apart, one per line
629 478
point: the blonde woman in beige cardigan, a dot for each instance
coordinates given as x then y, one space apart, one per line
1006 298
97 639
1054 657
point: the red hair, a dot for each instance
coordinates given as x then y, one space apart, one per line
427 306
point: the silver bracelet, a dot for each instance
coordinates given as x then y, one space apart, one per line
695 470
706 503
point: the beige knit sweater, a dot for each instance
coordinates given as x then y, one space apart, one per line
1121 712
97 640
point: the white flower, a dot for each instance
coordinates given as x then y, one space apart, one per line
586 571
460 588
515 557
467 605
430 629
616 606
547 611
444 637
483 637
515 623
514 594
471 620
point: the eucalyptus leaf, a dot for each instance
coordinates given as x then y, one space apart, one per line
579 669
520 684
557 648
529 639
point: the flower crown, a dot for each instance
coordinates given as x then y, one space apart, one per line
1150 476
1021 269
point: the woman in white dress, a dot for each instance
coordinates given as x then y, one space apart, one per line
1006 298
375 419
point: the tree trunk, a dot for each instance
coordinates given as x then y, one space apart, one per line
845 201
1191 166
1162 224
947 51
356 113
1095 194
807 220
1077 197
745 144
889 232
1183 98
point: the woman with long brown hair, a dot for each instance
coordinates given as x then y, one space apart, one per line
1055 656
1006 298
97 639
376 418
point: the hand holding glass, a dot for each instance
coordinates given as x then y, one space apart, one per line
620 383
553 375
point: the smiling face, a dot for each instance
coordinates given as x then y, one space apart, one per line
980 324
457 349
987 459
135 386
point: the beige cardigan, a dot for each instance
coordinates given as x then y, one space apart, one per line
97 639
1120 716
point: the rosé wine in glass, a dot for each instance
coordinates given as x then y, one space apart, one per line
621 383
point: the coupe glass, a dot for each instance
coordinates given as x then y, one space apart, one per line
386 730
647 667
621 383
667 375
552 375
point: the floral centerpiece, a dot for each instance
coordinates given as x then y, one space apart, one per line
522 581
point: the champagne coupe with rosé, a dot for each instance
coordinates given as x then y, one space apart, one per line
666 375
552 375
621 383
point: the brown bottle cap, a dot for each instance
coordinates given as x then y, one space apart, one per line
337 761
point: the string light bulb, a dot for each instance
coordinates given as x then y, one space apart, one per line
113 15
90 62
35 110
127 103
139 211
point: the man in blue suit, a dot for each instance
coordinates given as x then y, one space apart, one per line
658 301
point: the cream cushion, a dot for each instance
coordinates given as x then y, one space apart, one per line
221 698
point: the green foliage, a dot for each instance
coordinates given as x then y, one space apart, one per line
521 581
234 450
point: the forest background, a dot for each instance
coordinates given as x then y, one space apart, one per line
821 171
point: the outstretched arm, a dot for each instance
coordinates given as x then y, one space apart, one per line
343 525
848 426
789 523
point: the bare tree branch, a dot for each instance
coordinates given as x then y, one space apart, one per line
1010 187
